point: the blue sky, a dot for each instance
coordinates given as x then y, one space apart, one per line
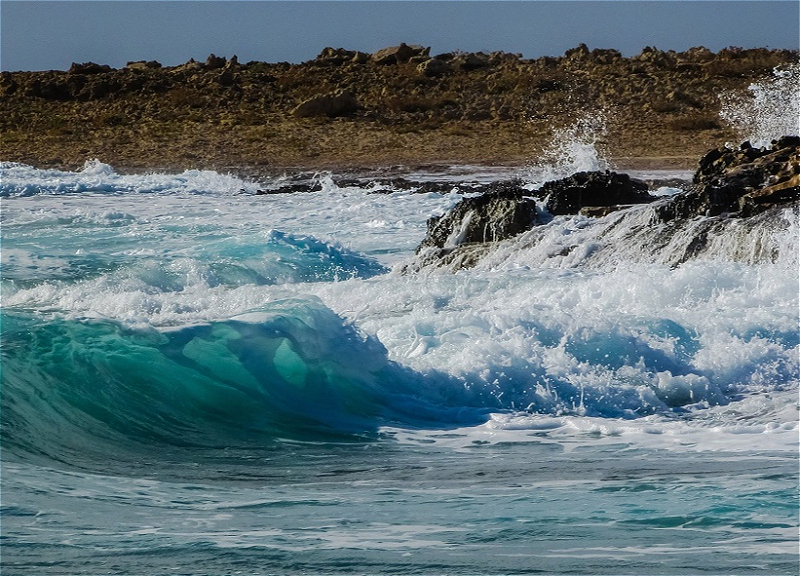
42 35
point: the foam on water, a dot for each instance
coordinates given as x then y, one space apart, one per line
638 235
587 317
97 177
224 380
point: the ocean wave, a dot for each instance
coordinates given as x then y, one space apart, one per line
292 369
81 390
96 177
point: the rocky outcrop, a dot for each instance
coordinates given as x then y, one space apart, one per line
505 209
400 54
143 65
740 182
89 68
592 189
471 61
495 107
339 56
435 67
459 237
214 62
332 105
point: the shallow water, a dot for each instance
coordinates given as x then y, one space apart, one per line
197 379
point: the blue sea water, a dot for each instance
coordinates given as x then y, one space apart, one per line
197 379
200 380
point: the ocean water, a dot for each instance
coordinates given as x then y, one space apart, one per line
198 379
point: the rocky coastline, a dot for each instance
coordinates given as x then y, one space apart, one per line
350 111
738 184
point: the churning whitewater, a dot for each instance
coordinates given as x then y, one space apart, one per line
197 374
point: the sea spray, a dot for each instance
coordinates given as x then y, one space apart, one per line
637 235
573 148
768 110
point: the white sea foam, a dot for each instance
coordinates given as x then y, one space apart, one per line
97 177
576 320
637 235
768 421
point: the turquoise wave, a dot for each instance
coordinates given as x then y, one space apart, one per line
81 390
280 258
74 388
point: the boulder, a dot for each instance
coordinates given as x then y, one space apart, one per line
740 182
399 54
459 237
434 68
214 62
143 65
334 56
592 189
579 53
697 54
470 61
191 65
89 68
332 105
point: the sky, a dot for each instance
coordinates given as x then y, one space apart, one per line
47 35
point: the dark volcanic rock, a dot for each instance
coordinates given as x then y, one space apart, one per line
505 211
291 189
740 182
459 238
591 189
214 62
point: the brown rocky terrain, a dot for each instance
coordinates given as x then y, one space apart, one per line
347 110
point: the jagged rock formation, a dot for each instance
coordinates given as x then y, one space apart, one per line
588 190
414 107
459 238
730 184
503 211
740 182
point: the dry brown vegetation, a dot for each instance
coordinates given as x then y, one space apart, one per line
470 108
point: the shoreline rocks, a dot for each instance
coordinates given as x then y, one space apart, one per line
586 190
740 182
729 183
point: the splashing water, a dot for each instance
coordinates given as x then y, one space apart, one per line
768 110
573 149
231 380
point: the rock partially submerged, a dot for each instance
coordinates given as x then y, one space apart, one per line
740 182
730 183
592 189
460 237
